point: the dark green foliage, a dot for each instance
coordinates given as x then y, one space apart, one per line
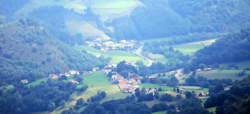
124 69
166 97
233 101
233 48
159 107
98 97
44 97
27 50
191 106
123 106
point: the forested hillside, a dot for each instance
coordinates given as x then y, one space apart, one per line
232 48
28 50
171 17
233 101
138 19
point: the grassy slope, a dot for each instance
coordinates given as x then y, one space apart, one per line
116 56
190 48
240 65
37 82
96 81
222 74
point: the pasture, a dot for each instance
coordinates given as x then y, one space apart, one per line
239 65
97 81
222 74
190 48
148 85
115 56
37 82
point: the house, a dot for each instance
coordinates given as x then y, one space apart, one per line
106 71
126 88
151 91
74 72
67 74
25 81
95 69
73 81
53 76
207 69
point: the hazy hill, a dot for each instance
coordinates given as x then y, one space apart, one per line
232 48
133 19
27 49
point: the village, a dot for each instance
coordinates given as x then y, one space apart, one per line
107 44
126 85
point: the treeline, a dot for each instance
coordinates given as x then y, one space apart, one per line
174 60
214 15
135 105
233 101
232 48
46 96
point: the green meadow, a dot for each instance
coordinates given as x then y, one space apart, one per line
37 82
148 85
115 56
191 48
97 81
222 74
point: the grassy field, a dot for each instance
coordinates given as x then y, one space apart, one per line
163 112
148 85
96 81
212 110
116 56
196 89
37 82
222 74
157 57
240 65
190 48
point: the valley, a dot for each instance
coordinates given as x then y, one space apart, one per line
124 57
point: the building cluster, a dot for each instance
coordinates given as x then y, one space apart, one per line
70 73
107 44
126 85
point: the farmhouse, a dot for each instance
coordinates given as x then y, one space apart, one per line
53 76
25 81
73 81
74 72
95 69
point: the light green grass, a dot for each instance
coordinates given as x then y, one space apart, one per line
212 110
162 112
148 85
222 74
196 89
157 57
240 65
97 81
37 82
190 48
116 56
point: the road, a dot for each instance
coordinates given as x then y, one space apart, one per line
138 52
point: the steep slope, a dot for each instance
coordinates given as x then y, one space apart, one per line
27 50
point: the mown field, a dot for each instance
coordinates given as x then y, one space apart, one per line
116 56
222 74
